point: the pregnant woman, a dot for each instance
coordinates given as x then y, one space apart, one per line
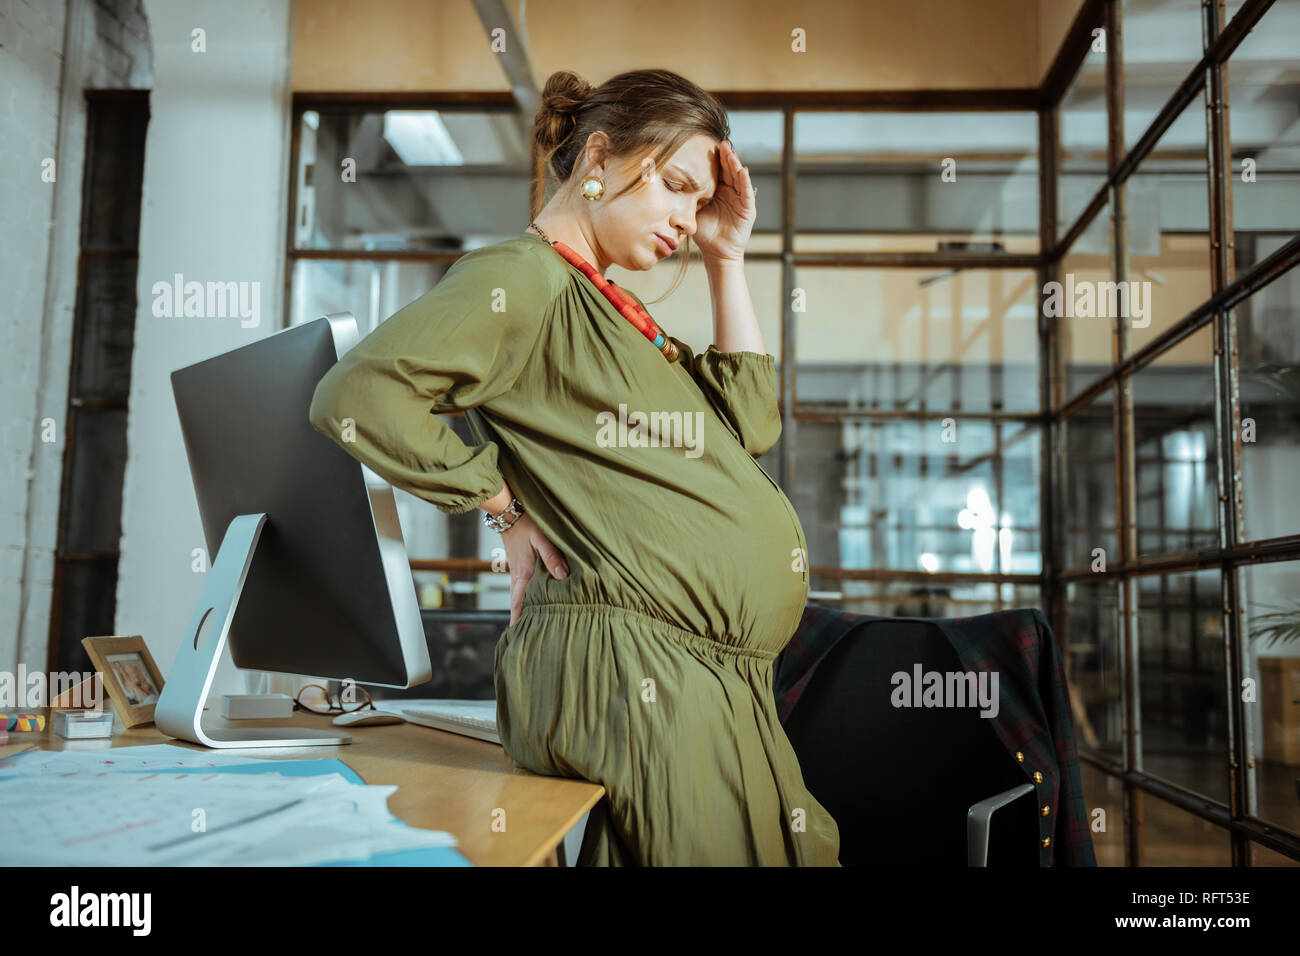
656 569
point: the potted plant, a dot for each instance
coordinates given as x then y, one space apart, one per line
1279 689
1279 627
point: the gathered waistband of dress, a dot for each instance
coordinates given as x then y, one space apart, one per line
689 637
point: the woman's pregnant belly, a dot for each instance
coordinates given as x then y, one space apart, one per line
710 544
705 541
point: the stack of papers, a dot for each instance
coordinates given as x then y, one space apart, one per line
170 806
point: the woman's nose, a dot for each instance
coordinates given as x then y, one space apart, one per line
684 222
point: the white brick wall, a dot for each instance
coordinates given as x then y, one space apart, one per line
42 114
31 58
228 174
196 171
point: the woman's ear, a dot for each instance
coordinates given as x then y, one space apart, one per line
596 152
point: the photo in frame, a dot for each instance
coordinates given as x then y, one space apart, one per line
130 675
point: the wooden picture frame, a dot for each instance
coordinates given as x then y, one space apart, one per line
130 675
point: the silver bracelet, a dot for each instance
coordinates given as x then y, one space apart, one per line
496 522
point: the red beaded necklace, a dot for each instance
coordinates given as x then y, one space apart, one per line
628 307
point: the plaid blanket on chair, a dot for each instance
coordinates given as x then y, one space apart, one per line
1034 721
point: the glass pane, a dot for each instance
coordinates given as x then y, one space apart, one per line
88 606
920 496
1263 856
1089 485
1173 837
431 180
916 339
461 659
94 468
1184 715
1268 357
371 291
862 176
688 312
1083 141
1270 630
888 242
431 535
1085 333
1167 210
1101 791
451 179
1263 92
770 462
105 340
757 136
900 599
1170 282
1093 651
1162 43
1173 433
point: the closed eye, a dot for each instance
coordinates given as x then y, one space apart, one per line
673 188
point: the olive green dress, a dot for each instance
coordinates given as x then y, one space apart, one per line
649 668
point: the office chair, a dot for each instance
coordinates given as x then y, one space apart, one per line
908 786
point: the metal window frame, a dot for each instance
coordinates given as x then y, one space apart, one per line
1208 76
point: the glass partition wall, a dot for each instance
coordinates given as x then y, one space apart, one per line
1034 347
1172 548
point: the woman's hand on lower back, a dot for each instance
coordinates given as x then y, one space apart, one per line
522 541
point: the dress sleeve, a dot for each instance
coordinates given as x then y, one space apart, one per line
461 344
741 387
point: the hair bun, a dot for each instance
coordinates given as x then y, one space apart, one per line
565 93
563 98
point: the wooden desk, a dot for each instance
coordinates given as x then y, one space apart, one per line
445 781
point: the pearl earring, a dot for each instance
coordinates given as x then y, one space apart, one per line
592 188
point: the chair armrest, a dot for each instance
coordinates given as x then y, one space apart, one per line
977 823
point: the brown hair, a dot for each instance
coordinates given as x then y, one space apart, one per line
639 110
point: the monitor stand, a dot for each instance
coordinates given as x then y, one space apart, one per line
179 710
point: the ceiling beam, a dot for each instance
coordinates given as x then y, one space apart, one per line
508 45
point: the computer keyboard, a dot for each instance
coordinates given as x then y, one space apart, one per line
473 718
473 713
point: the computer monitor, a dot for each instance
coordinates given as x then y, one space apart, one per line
309 571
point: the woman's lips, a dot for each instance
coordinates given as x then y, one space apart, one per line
663 245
